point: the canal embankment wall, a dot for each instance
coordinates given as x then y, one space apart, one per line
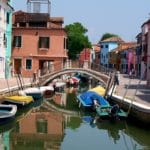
11 86
133 95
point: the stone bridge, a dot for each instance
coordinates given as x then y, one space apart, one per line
100 76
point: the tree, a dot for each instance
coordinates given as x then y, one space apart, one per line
77 40
108 35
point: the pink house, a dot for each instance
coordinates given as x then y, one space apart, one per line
146 50
131 57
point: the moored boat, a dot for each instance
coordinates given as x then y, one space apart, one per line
7 112
99 90
90 99
46 88
111 111
18 100
35 92
87 98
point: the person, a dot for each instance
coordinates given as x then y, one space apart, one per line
130 73
114 110
116 78
96 103
133 72
34 77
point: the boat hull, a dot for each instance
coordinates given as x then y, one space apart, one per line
18 100
7 112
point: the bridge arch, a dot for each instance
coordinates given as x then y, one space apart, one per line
103 78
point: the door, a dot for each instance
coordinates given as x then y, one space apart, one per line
17 66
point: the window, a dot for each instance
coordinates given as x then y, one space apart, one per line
28 64
41 126
7 17
5 40
106 46
65 43
17 41
43 42
101 46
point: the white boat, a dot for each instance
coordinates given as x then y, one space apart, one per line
7 112
46 88
35 92
60 84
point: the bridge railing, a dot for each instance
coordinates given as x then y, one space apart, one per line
58 66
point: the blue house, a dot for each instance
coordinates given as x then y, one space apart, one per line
5 36
107 46
8 39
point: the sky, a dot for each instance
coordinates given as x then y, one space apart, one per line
121 17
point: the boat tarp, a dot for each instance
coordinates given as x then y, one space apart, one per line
99 90
88 97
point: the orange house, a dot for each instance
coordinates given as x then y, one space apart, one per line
39 43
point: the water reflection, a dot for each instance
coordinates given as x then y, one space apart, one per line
41 129
52 130
106 135
38 130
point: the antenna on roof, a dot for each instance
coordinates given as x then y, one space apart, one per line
39 6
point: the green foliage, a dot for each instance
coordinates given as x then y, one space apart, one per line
108 35
77 40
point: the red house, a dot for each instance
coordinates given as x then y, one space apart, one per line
39 43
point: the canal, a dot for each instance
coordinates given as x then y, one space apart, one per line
58 124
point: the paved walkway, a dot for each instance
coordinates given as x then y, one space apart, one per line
12 83
141 90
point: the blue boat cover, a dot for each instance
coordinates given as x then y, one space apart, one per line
89 96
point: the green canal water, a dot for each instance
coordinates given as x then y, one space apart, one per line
41 127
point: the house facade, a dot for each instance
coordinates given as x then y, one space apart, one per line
107 46
9 41
39 43
145 64
5 37
96 54
85 54
139 55
91 55
120 57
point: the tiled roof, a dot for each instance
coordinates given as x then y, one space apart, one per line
113 39
96 47
124 46
21 16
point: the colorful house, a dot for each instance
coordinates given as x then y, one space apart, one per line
107 46
118 57
96 49
85 54
138 54
145 64
5 37
39 42
91 55
9 41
